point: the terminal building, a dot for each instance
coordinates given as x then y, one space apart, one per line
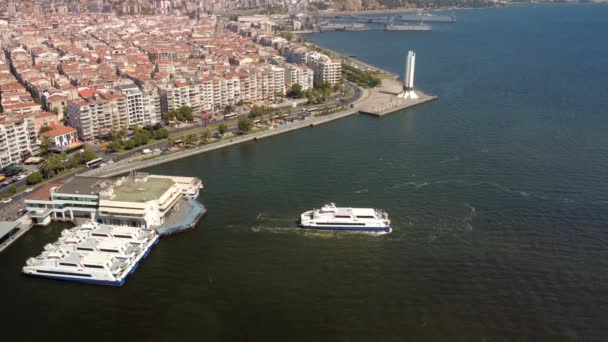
138 200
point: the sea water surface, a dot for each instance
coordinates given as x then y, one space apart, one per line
497 193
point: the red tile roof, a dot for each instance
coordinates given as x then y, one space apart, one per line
59 130
44 193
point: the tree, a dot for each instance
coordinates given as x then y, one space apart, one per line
45 145
234 17
170 141
222 128
295 91
98 60
162 133
87 156
256 111
244 125
11 190
186 113
55 110
129 144
191 139
33 178
114 146
228 109
44 129
50 165
279 95
206 136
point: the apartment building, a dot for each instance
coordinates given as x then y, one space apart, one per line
98 115
18 139
299 74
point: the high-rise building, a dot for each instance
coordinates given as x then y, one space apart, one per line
299 74
18 139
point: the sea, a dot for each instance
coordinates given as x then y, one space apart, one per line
497 192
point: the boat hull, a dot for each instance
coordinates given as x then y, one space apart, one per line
78 280
349 228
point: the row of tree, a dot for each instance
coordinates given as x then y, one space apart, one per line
183 113
141 136
55 163
362 78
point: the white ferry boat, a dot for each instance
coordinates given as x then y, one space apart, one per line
330 217
121 250
99 231
86 268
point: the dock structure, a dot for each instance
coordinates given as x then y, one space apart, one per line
384 100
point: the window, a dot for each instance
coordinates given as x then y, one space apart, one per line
67 264
93 266
65 273
108 250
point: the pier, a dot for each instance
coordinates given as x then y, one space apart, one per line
384 100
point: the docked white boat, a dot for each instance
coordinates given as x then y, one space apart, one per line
93 253
330 217
101 231
79 267
119 249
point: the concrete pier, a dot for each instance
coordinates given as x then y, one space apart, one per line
383 100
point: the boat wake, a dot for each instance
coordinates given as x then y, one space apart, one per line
469 218
503 188
455 158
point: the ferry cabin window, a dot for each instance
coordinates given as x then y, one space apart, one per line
92 266
340 224
67 264
84 249
97 234
365 216
342 216
122 236
108 250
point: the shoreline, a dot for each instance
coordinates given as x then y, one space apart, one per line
399 10
134 165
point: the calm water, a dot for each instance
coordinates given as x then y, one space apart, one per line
497 193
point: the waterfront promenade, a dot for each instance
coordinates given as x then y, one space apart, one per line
142 162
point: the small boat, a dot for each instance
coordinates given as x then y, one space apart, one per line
330 217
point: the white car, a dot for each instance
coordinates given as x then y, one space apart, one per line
20 177
7 200
28 190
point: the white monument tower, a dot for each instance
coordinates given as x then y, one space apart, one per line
408 82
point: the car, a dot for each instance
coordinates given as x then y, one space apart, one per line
28 190
20 177
7 200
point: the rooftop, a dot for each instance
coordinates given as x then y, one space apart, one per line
44 193
140 191
81 185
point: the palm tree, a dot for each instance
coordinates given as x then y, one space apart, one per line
50 165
